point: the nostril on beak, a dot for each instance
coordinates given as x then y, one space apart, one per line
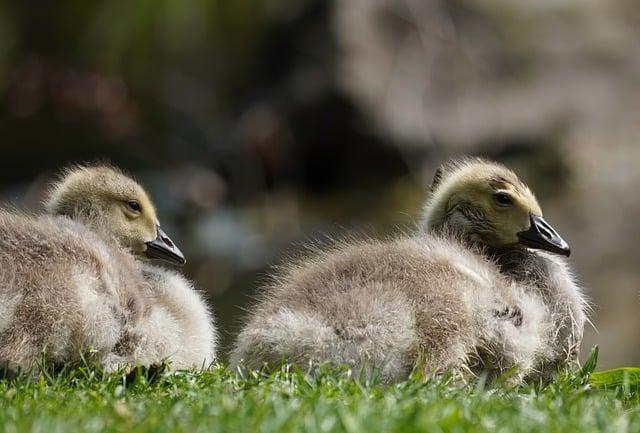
167 241
545 232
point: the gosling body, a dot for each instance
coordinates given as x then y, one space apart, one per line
456 296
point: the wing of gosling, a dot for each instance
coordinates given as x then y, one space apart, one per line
60 291
570 306
549 281
178 326
388 306
556 286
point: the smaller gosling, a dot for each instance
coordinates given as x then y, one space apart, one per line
440 300
70 280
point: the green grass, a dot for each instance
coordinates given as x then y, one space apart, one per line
290 401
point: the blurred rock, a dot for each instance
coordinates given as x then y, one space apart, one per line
459 72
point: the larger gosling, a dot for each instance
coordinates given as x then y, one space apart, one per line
455 297
70 280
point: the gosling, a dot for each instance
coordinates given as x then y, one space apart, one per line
71 280
457 296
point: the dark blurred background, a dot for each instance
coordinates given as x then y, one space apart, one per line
261 125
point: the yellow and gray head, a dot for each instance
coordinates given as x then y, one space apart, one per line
110 201
487 204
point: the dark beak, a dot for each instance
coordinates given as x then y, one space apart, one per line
542 236
163 248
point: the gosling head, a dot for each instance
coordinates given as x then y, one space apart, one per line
108 200
487 204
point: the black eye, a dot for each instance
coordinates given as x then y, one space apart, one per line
134 206
503 199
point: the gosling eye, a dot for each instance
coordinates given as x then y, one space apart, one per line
134 206
503 199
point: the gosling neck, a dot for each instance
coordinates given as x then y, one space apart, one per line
521 264
516 261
